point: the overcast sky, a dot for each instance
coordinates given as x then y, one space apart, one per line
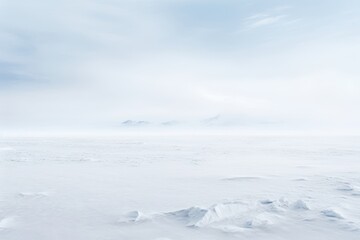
94 63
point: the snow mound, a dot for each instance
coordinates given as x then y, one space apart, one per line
300 205
232 216
133 217
7 223
349 188
191 215
300 179
33 194
331 213
200 217
266 201
239 216
260 221
244 178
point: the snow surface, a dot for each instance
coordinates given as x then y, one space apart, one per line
179 187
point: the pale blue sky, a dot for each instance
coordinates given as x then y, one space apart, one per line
66 64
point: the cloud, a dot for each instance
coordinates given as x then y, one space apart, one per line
260 20
92 64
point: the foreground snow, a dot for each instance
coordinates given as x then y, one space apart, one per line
180 187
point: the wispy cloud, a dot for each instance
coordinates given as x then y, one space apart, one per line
269 17
260 20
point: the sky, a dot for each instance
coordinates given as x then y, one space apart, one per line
248 64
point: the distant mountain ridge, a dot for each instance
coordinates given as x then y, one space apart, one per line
214 121
135 123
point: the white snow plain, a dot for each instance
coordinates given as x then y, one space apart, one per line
179 187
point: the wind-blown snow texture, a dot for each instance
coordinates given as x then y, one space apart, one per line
180 187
